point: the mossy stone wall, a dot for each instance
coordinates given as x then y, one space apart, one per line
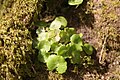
15 38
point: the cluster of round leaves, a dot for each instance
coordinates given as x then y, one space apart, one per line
58 43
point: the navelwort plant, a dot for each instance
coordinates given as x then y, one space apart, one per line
57 43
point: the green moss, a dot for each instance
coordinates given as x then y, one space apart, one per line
15 38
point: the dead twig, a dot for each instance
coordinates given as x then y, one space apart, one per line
102 54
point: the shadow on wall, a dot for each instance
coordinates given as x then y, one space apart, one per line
76 16
80 16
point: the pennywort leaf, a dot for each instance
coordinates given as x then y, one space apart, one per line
55 25
56 62
62 20
62 67
63 51
58 23
75 39
44 45
88 49
75 2
42 35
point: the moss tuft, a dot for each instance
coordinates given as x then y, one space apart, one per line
15 38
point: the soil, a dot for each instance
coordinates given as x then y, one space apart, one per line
99 21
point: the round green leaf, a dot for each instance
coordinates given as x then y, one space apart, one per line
62 67
55 25
58 22
44 45
75 38
42 35
55 61
75 2
63 51
88 49
62 20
